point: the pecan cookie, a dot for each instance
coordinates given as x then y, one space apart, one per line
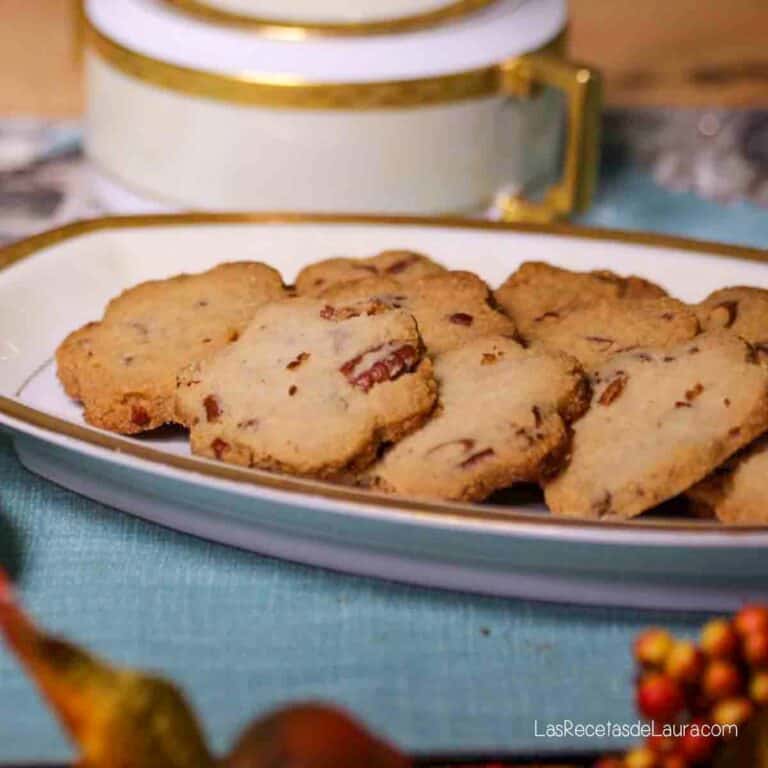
537 292
451 308
400 266
123 368
310 389
660 421
741 310
502 418
594 333
737 492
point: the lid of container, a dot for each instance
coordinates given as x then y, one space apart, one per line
506 29
334 16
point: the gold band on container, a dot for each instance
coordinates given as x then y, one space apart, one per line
293 93
518 76
286 27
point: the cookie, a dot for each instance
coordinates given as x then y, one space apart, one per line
502 418
737 492
451 308
741 310
608 327
538 291
310 389
123 368
401 266
660 421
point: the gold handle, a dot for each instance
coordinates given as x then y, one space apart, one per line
583 92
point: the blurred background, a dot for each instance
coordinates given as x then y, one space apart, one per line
685 123
652 52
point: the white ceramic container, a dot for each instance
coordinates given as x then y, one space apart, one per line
331 16
197 115
55 282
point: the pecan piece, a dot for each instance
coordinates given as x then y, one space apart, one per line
212 406
294 364
466 444
461 318
475 458
327 312
219 447
139 416
386 362
694 392
613 391
601 341
370 307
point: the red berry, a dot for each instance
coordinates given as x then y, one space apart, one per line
719 639
659 697
609 762
674 761
721 680
756 649
640 758
660 745
685 662
758 688
751 618
735 711
653 646
694 746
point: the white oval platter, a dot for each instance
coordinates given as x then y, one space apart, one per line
55 282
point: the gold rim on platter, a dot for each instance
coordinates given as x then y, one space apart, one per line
300 30
455 512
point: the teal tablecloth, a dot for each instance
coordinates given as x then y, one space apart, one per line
433 670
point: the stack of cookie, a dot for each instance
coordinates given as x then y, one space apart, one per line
395 374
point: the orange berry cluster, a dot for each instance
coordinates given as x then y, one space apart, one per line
719 682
